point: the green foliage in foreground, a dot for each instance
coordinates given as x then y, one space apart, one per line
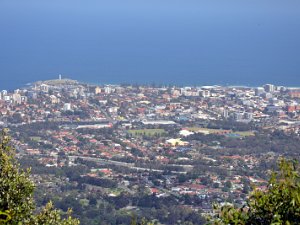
142 222
278 205
16 194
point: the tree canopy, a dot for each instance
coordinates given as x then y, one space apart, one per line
17 205
278 204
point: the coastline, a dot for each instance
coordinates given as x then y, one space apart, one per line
20 85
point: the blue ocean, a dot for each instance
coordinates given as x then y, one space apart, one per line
193 42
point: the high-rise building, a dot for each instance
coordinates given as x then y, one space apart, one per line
17 98
97 90
248 116
24 99
4 92
108 89
67 107
44 88
259 91
225 113
269 88
205 93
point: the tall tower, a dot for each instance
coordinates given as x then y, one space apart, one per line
59 77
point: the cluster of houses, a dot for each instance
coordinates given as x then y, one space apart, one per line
145 130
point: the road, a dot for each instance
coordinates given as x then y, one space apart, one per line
129 165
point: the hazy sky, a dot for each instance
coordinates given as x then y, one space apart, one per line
195 42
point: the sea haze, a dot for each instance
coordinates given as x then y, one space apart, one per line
169 42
